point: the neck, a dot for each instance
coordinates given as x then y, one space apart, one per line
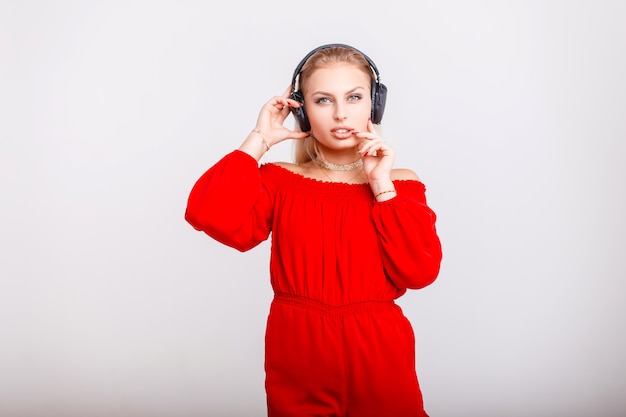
322 162
355 162
343 177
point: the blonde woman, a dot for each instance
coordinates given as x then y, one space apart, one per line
350 234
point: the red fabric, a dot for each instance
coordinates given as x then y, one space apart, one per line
336 343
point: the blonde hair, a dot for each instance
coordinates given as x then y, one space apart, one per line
306 150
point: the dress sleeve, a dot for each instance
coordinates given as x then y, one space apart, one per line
410 246
230 203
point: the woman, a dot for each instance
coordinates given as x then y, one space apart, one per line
350 234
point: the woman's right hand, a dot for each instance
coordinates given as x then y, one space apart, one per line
271 119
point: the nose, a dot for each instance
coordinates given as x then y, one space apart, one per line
340 112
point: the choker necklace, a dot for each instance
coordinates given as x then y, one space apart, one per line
336 167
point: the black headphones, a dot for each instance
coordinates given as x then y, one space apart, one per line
379 91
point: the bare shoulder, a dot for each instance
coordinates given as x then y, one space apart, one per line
306 170
404 174
287 165
298 169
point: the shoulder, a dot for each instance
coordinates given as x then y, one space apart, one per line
301 169
404 174
286 165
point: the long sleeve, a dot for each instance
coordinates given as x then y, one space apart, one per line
410 247
230 203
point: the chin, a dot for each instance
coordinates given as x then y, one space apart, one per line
329 140
340 144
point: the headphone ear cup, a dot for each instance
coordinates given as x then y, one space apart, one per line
299 113
379 98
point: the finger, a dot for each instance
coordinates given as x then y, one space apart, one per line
371 142
364 144
370 133
366 136
280 102
370 126
375 147
287 100
369 147
296 134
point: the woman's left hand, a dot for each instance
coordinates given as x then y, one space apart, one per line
378 157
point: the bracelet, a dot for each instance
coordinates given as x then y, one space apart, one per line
384 192
262 138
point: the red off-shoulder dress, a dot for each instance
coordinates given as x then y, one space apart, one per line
336 344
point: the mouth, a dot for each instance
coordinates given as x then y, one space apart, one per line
342 132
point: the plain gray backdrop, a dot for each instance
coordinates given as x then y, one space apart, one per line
513 113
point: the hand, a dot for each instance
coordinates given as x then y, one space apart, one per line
378 157
272 116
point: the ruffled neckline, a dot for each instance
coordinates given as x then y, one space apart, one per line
301 177
284 178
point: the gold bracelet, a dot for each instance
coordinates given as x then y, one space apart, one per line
383 192
262 138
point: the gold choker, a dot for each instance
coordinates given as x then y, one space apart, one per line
338 167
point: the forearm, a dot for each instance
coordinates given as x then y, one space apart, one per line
229 203
255 144
383 190
409 243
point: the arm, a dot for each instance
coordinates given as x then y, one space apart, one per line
230 203
269 128
410 246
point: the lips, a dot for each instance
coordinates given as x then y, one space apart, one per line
342 132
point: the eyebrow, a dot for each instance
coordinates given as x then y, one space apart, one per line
347 92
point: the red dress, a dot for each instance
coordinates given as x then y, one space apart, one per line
336 343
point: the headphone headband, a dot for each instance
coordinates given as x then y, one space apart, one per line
327 46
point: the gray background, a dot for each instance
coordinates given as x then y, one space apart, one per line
513 114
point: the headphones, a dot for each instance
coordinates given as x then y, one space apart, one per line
379 91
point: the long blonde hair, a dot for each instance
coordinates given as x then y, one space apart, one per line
306 150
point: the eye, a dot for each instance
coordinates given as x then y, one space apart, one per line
355 97
322 100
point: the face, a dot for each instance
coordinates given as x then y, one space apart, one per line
338 102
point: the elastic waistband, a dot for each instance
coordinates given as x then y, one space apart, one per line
335 311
